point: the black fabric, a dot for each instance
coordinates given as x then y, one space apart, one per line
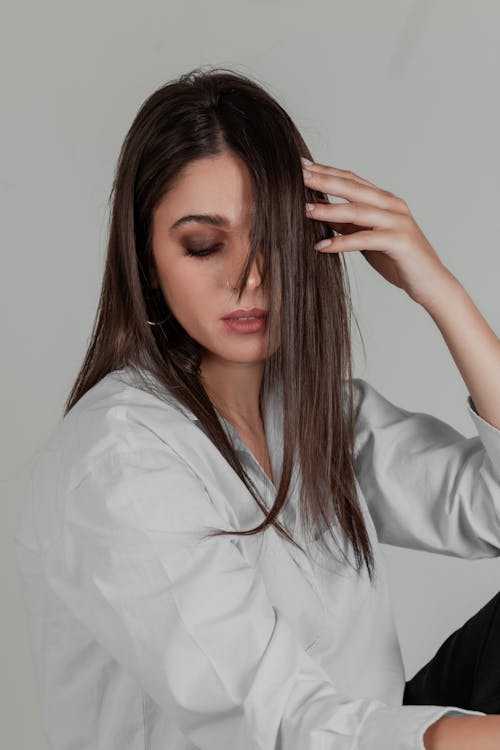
465 670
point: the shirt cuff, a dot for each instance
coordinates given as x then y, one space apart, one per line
404 726
490 436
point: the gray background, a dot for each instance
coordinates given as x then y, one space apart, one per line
403 93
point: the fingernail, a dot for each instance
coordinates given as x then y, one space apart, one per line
305 161
322 243
309 206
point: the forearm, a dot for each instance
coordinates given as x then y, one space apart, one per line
473 345
464 733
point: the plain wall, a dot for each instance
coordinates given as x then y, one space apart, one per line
403 93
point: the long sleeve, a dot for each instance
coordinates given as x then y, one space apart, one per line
427 486
191 620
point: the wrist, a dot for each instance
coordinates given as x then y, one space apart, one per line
463 733
446 293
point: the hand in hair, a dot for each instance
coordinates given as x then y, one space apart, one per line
380 225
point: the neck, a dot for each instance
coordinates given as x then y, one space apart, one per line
233 388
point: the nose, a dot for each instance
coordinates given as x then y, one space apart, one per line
254 276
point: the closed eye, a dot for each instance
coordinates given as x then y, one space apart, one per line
202 252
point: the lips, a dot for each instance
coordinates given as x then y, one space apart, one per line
253 312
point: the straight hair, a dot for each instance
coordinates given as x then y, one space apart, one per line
205 113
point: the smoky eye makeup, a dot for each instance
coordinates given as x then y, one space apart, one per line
200 247
202 252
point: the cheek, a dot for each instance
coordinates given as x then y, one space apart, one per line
189 290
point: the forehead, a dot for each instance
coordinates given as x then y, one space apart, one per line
213 185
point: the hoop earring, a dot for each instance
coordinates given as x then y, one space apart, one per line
157 292
158 322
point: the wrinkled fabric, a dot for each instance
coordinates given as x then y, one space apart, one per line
147 633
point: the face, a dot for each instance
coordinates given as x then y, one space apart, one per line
196 287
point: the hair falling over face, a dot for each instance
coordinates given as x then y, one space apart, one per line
204 113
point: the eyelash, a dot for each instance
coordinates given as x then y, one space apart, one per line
203 253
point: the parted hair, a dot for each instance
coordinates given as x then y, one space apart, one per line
206 112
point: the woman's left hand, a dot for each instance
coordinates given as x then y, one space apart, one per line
380 225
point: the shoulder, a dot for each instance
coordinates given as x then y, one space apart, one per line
118 415
375 414
120 442
369 402
361 390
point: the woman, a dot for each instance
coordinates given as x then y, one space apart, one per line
199 542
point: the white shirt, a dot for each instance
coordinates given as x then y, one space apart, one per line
145 635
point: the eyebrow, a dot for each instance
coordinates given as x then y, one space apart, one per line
215 220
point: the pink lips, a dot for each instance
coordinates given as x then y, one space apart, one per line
252 312
252 320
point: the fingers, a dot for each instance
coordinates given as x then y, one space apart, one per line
316 166
346 184
365 240
362 215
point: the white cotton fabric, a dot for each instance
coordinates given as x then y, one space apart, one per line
148 635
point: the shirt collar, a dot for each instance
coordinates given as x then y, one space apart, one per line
272 412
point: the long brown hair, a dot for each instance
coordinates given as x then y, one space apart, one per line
203 113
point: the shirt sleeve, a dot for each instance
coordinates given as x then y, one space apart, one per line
190 618
426 485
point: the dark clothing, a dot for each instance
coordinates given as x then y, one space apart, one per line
465 670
